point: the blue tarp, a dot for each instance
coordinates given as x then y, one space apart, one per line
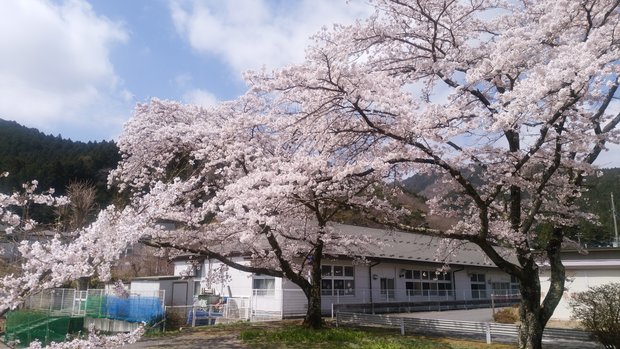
203 317
133 309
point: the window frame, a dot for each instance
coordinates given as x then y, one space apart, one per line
425 283
478 286
342 284
258 285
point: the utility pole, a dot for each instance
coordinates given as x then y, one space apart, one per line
613 215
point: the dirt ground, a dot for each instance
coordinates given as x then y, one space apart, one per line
194 340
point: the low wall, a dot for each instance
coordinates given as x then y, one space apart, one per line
110 325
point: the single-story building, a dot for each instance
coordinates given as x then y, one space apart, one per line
402 267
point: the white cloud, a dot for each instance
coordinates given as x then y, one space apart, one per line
200 97
55 68
247 34
183 80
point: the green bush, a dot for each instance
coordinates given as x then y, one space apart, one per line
598 309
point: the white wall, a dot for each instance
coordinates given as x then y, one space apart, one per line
578 280
239 284
294 302
144 288
181 268
151 288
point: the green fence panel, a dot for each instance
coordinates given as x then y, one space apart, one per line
27 326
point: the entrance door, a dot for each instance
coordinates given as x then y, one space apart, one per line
179 293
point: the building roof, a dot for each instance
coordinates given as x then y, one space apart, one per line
592 258
394 245
387 244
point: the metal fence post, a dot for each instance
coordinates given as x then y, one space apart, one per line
193 316
488 332
402 326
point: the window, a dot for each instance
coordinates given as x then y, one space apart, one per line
264 285
478 286
500 288
387 287
427 283
197 288
515 286
337 280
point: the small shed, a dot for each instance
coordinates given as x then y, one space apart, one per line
178 291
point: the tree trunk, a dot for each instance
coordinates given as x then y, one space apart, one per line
530 332
313 317
531 328
312 290
533 314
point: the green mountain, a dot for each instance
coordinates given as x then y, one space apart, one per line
596 200
55 162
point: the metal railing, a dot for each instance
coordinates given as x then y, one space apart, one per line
234 309
491 332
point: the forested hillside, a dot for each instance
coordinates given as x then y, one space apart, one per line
29 154
596 200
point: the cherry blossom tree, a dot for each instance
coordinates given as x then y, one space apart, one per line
50 263
15 208
508 103
234 181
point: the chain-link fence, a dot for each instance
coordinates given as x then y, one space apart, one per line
225 310
59 301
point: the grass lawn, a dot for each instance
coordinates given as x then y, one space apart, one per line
295 336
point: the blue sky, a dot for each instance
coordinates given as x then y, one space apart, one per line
78 67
